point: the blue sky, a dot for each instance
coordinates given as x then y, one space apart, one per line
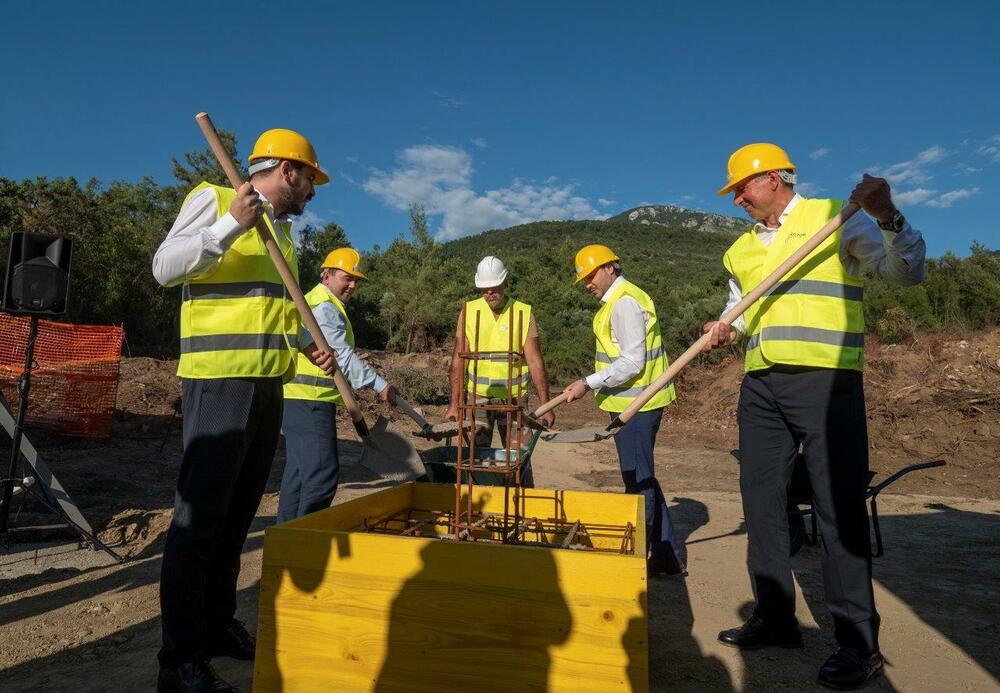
492 114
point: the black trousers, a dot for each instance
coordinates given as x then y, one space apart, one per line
231 428
824 411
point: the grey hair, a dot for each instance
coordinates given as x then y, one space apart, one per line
788 176
617 267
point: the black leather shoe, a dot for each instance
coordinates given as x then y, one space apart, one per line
755 634
665 565
233 642
848 669
192 677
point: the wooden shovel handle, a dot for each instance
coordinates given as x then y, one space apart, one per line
549 406
291 286
766 285
411 412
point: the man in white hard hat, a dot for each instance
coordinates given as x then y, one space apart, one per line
804 387
312 467
495 313
239 331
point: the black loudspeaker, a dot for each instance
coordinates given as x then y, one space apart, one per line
37 274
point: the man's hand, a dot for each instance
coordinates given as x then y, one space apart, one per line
388 394
575 390
722 334
452 413
326 361
246 207
873 195
548 419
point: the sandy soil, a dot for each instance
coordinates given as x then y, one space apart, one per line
72 619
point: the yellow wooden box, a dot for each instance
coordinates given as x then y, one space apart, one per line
342 609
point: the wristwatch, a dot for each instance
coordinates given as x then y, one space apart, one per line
895 223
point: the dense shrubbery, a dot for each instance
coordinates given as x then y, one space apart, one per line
417 284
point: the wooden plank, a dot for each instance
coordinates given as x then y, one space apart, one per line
346 611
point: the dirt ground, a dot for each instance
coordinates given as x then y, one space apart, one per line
73 619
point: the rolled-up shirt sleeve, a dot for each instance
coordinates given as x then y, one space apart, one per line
628 325
735 295
358 373
196 241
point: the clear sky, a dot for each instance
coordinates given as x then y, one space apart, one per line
492 114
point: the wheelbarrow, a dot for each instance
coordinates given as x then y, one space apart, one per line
800 502
439 464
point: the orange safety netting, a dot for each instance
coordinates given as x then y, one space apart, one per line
74 377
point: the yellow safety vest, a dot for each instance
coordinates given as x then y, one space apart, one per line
814 316
618 398
310 382
490 373
238 321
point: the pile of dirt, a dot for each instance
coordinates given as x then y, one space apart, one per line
936 397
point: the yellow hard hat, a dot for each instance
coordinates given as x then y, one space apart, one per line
753 159
288 144
590 257
346 259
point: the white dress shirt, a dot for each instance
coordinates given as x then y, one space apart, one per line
334 327
865 250
628 329
198 239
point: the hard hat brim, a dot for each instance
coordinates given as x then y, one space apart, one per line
489 285
321 176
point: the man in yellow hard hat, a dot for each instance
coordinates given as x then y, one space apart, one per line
312 468
487 379
803 388
239 331
629 356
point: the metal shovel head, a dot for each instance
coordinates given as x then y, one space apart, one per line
534 424
390 454
447 429
588 434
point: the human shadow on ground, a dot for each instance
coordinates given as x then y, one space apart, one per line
676 660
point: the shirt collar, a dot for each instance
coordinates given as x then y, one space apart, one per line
616 282
269 207
781 217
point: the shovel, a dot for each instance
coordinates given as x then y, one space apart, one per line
592 434
439 431
530 419
388 452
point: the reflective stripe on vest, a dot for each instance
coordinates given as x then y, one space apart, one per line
236 321
231 290
491 371
310 382
812 318
619 397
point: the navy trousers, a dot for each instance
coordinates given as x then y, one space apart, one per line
231 430
823 410
312 469
635 443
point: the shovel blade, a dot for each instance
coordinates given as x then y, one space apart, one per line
534 424
389 453
446 429
589 434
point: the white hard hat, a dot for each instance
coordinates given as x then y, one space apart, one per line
490 273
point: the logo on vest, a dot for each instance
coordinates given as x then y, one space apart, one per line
502 327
